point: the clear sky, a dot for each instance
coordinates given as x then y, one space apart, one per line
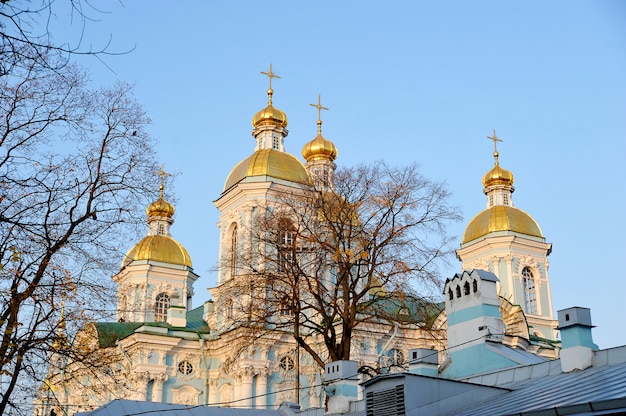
405 81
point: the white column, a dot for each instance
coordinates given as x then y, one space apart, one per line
246 388
509 278
157 387
237 390
261 389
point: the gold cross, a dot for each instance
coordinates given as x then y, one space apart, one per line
163 174
271 75
495 140
319 107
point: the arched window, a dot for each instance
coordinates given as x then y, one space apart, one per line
161 306
530 292
233 252
450 294
466 288
395 357
286 244
229 309
475 286
458 291
284 307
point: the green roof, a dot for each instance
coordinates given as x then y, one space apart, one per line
195 322
110 332
404 307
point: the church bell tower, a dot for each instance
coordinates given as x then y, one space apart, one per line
508 242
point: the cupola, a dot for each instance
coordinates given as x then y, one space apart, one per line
320 154
500 214
158 245
160 208
497 175
269 160
319 148
270 115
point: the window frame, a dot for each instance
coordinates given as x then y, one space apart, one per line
529 284
162 303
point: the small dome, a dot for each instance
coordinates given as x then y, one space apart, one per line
501 218
498 176
269 162
160 208
158 248
319 149
270 116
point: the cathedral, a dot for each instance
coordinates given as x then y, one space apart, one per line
161 349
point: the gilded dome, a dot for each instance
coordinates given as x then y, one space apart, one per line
319 149
270 116
501 218
160 208
158 248
498 176
269 162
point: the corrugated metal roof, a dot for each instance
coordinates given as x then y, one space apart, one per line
595 385
136 408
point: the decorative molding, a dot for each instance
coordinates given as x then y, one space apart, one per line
186 395
159 377
529 261
482 264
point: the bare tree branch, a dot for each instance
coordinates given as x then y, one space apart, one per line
322 265
75 173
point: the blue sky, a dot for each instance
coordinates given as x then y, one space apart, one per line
405 81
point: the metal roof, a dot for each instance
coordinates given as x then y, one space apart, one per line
121 407
110 332
591 391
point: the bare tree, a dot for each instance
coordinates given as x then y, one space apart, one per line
322 263
26 39
76 169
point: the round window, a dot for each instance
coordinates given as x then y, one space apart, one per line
286 363
185 367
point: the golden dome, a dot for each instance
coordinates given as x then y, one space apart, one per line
319 149
160 208
270 116
158 248
269 162
498 176
501 218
